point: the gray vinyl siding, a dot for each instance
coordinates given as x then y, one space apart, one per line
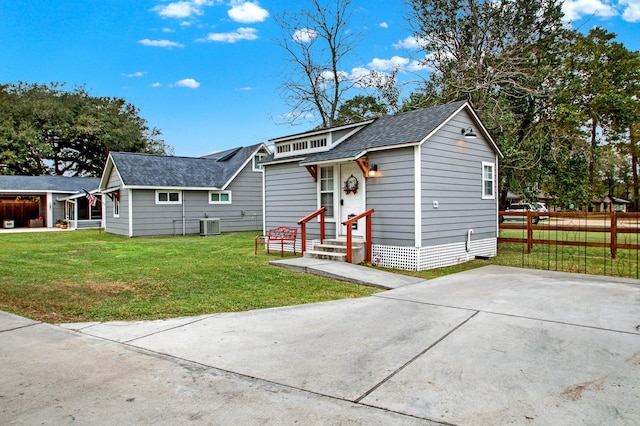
392 195
452 176
291 194
151 219
243 214
116 225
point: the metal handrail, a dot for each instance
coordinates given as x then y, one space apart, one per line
303 226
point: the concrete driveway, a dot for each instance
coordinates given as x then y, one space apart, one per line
492 346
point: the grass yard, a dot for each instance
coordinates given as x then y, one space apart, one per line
94 276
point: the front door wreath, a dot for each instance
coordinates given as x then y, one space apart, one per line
351 185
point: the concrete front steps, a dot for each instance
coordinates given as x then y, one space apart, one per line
336 250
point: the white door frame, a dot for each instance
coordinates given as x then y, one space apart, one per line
351 202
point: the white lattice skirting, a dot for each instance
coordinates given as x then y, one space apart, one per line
421 258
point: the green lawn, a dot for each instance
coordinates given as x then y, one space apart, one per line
94 276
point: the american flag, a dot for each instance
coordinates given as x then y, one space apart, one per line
91 199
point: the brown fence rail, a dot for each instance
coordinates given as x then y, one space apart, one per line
577 239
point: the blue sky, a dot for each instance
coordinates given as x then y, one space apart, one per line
206 72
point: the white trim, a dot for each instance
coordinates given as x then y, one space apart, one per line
167 191
258 167
319 132
493 180
219 193
336 200
114 204
417 178
130 207
241 168
49 201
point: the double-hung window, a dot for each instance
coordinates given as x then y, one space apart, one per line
327 190
116 203
488 181
168 197
219 197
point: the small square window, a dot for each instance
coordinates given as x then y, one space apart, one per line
168 197
220 197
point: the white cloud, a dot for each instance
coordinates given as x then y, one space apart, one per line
246 89
160 43
383 25
631 10
156 84
305 35
167 30
181 9
135 74
232 37
395 63
247 12
188 82
576 9
409 43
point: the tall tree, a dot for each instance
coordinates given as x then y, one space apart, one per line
47 130
601 82
501 56
316 41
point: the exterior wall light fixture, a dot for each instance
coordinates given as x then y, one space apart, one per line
373 170
468 133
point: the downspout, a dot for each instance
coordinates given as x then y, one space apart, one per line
468 244
264 199
184 224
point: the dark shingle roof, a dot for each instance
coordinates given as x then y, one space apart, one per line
390 130
46 183
211 171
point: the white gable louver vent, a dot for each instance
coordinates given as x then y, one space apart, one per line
209 226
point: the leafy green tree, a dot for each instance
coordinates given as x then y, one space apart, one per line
601 82
47 130
360 108
501 56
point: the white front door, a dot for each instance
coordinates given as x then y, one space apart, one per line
352 201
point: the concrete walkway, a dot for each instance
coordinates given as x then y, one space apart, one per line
492 346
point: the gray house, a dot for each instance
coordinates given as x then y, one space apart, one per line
430 175
41 201
164 195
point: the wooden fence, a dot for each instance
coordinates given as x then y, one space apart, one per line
615 224
595 243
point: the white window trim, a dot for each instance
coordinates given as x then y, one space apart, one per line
254 163
116 206
220 202
492 196
335 192
162 191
